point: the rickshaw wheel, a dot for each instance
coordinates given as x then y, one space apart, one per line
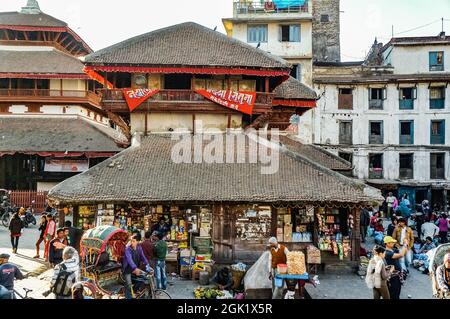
161 294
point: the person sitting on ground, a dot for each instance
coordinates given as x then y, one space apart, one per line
374 220
443 275
422 255
392 226
66 274
8 272
56 247
379 226
429 245
223 279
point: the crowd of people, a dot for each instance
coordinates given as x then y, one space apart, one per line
397 248
62 253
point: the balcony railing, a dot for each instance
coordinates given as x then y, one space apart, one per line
116 95
44 95
261 7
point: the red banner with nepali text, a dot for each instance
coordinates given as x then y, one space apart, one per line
136 97
236 100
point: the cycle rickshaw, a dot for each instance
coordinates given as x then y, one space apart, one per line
102 251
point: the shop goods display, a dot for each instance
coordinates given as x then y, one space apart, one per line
296 263
253 223
207 293
313 255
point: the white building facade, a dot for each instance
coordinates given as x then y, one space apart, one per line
390 116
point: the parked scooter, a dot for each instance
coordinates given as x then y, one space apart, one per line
28 218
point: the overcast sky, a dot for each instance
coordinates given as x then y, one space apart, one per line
104 22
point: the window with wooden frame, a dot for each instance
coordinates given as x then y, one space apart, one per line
406 162
438 132
437 97
257 33
376 98
437 165
346 132
345 99
406 132
290 33
375 132
375 166
407 97
436 61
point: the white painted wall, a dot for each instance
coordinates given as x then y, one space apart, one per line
414 59
274 45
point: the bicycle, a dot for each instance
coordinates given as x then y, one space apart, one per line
148 279
27 291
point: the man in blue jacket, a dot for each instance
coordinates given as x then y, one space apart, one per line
134 257
8 272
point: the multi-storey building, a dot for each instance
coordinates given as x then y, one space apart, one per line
390 115
299 31
227 200
51 123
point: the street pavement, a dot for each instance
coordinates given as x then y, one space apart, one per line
332 286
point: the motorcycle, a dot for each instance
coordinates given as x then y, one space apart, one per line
28 218
6 211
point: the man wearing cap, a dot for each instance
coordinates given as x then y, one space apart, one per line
277 256
404 234
392 258
443 275
8 272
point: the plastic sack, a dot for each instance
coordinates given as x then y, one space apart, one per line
257 277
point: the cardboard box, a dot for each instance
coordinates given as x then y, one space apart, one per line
280 236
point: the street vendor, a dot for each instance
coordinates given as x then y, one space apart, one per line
277 256
223 279
162 227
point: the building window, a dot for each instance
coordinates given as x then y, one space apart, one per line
324 18
437 165
346 132
376 132
406 132
4 83
345 99
257 33
407 97
438 132
375 166
376 98
406 166
296 71
437 61
290 33
346 156
437 97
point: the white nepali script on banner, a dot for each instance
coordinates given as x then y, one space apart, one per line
66 165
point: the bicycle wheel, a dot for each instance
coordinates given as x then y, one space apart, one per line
161 294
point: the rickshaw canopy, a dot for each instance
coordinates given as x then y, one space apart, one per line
98 237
